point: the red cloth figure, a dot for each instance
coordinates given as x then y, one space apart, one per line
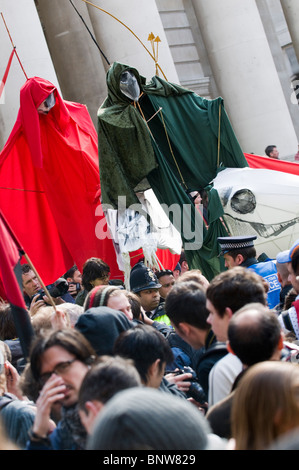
50 184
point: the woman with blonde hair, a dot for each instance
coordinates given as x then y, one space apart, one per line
265 405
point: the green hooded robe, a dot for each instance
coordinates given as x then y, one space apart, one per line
173 150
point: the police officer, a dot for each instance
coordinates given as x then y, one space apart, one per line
145 284
240 251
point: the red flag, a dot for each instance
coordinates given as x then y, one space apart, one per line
267 163
2 84
10 268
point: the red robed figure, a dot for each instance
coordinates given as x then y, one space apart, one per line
50 184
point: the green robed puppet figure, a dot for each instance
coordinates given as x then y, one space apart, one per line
163 136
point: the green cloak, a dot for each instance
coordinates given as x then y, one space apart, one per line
174 151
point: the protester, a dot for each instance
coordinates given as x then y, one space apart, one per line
227 293
194 275
146 419
16 411
95 272
186 308
289 318
8 334
107 377
74 279
59 360
254 335
283 278
265 405
101 326
150 352
109 296
167 281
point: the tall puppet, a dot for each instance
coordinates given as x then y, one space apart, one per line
170 139
50 183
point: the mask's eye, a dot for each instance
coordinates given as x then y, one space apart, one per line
243 201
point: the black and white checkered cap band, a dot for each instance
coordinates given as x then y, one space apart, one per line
236 246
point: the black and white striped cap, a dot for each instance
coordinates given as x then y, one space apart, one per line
235 243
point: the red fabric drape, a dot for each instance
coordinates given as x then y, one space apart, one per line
49 179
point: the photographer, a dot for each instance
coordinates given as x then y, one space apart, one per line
186 308
150 352
74 279
34 295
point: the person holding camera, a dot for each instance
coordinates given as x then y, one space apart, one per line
186 308
34 296
74 279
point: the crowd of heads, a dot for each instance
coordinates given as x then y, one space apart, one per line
100 363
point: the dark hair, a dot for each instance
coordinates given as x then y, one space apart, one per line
94 268
26 268
186 302
269 149
166 272
245 252
69 339
7 324
107 377
295 261
70 272
235 288
255 340
144 345
135 304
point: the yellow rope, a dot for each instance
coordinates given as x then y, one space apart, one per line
132 32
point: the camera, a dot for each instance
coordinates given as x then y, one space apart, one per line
57 289
195 391
77 286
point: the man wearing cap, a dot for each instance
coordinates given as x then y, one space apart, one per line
240 251
289 319
287 290
144 283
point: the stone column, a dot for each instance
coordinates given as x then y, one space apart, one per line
28 37
246 75
120 45
77 60
291 13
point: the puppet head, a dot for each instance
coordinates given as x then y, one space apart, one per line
124 83
33 95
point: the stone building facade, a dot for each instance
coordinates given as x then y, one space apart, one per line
246 51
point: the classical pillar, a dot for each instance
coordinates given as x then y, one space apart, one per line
120 45
28 37
77 60
291 13
246 75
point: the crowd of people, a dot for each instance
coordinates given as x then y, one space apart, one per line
174 362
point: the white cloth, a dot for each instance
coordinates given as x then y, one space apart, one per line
222 377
